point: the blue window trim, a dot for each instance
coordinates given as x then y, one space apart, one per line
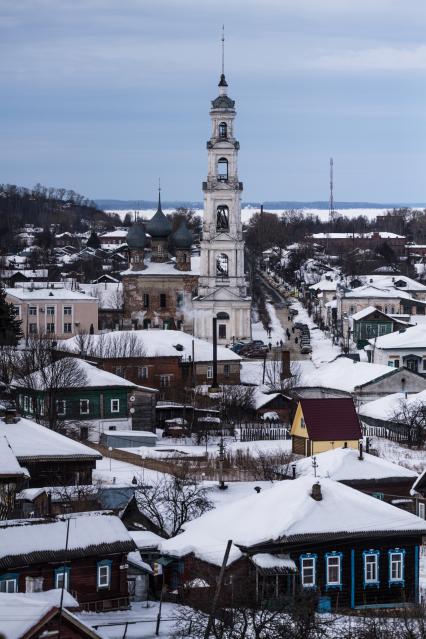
60 570
313 556
371 584
11 576
396 582
338 586
99 564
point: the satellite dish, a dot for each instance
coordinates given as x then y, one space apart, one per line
132 398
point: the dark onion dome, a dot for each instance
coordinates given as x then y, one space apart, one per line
182 238
223 102
136 237
159 226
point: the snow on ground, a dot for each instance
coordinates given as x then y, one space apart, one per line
322 348
121 473
392 451
277 331
143 618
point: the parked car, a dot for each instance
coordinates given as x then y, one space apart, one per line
306 348
293 311
254 352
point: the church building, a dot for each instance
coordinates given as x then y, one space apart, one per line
222 288
187 291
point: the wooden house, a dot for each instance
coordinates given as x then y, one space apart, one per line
86 553
370 322
324 424
50 458
34 615
318 537
418 491
103 402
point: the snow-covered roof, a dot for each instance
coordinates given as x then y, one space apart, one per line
109 294
47 294
325 285
344 374
120 233
9 465
20 612
92 376
273 563
386 407
145 539
344 464
374 291
29 440
384 235
88 534
134 558
154 342
364 312
288 513
412 337
166 268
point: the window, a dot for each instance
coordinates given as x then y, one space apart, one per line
104 574
222 331
9 582
160 250
165 380
67 310
222 170
396 566
222 265
209 372
422 510
32 328
412 365
32 310
302 423
67 327
119 370
16 310
222 217
62 577
333 565
371 567
143 372
146 300
61 407
163 300
50 310
226 370
223 130
25 403
31 404
50 327
84 406
308 570
115 406
424 364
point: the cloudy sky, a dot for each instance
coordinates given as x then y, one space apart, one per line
104 96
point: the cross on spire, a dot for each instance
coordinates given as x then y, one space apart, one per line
223 49
159 194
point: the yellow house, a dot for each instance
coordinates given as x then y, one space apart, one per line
324 424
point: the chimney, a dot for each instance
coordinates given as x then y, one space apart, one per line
285 365
361 456
316 492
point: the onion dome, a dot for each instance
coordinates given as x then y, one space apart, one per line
159 226
182 237
136 237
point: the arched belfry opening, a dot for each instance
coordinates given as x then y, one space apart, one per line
222 265
222 218
223 130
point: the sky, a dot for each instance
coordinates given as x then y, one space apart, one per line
105 96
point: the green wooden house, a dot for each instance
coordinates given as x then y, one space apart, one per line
370 323
104 402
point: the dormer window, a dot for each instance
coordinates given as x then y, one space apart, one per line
223 130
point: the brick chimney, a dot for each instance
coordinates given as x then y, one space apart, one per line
316 492
285 365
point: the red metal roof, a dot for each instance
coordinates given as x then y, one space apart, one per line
331 419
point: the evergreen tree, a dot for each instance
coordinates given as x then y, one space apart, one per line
10 327
93 241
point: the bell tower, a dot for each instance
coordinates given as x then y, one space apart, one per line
222 290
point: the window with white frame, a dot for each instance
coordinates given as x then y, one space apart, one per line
67 327
50 327
32 310
31 404
25 402
143 372
16 310
165 381
84 406
371 568
422 510
50 310
104 574
115 406
9 583
67 310
32 328
61 406
396 566
308 571
333 570
209 372
62 579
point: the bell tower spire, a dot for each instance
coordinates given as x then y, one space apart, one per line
223 85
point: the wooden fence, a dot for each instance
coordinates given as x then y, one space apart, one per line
262 432
394 435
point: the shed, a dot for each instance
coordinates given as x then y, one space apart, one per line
128 438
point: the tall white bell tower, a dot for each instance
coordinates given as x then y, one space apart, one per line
222 290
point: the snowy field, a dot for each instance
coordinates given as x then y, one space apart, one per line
248 212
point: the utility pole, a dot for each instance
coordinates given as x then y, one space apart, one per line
221 460
218 589
61 603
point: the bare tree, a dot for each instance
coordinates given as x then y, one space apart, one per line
170 502
237 402
410 417
113 345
